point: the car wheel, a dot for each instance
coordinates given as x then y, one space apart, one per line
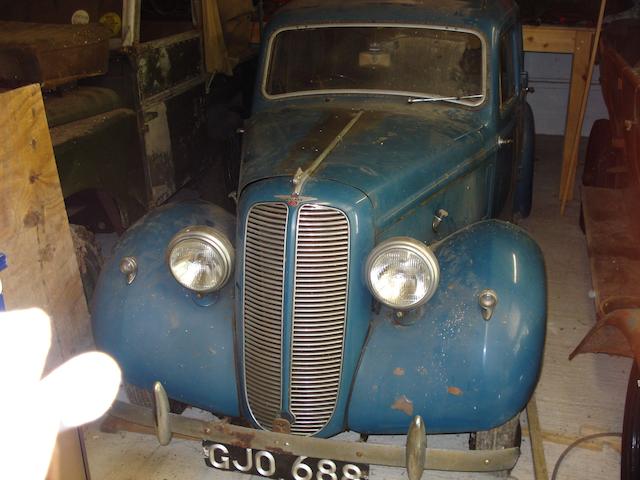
89 258
630 463
507 435
524 180
144 398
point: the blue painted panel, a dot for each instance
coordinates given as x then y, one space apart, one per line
158 330
444 361
467 200
397 154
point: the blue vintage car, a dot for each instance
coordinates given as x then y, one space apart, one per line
371 279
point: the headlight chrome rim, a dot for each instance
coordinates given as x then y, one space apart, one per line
414 246
213 238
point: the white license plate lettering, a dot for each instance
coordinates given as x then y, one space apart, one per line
280 465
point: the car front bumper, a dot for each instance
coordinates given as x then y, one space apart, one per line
411 456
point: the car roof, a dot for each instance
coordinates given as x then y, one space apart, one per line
482 15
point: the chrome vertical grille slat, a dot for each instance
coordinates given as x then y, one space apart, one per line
264 256
319 315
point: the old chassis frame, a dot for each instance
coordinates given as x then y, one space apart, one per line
414 455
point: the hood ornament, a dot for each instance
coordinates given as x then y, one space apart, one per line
293 199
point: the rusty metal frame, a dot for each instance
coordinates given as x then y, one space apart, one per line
615 333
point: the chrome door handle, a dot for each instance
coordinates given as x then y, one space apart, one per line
504 141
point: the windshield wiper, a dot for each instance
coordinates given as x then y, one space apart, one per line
441 99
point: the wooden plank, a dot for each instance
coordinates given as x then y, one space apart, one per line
537 447
566 188
34 233
215 50
550 39
614 254
579 70
34 230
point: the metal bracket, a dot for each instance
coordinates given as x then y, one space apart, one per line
439 216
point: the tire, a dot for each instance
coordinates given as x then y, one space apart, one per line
630 462
507 435
600 157
144 398
89 257
524 183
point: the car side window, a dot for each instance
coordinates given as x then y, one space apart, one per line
507 75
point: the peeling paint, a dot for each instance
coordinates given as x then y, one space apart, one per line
404 405
454 391
398 372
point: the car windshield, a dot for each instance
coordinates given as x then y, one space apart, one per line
413 61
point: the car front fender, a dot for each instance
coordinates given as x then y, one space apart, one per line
160 331
444 361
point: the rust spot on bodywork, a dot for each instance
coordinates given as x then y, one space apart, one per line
398 371
403 404
454 391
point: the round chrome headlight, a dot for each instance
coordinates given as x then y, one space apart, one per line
200 258
402 273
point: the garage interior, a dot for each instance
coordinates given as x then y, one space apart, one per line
161 136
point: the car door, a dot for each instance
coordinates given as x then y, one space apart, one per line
508 125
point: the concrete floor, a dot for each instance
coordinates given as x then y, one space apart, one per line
574 398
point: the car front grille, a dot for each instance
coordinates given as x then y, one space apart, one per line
318 319
262 309
319 312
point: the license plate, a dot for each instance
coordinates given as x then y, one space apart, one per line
280 465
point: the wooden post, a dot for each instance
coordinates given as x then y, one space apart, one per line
34 233
537 446
215 50
579 71
566 192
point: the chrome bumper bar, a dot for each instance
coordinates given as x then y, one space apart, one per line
414 455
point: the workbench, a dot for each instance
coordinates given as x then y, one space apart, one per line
576 41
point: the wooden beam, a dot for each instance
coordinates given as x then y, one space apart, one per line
579 71
216 58
549 39
537 446
566 192
34 233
